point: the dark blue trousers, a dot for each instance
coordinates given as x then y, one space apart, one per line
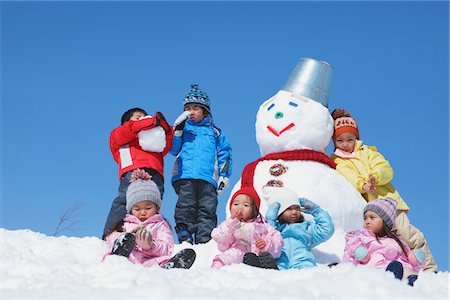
196 208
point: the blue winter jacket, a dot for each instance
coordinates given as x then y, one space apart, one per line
300 238
202 152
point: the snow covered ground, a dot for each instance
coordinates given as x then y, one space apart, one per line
36 266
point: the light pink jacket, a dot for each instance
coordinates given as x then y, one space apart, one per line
162 244
235 238
380 252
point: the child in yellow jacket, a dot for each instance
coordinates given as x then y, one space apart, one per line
371 174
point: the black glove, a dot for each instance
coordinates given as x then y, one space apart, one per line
180 126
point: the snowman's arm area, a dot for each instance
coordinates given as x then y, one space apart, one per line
380 168
350 172
224 155
322 228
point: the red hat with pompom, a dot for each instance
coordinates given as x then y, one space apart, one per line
344 122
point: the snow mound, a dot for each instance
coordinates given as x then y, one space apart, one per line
36 266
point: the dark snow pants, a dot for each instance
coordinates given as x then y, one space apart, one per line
196 208
118 207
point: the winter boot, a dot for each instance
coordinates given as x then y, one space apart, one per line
124 245
182 260
251 259
397 268
266 261
184 236
412 279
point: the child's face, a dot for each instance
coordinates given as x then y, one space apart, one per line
144 210
242 208
136 115
197 112
291 214
346 142
373 222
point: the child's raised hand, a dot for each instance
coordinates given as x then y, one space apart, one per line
369 189
180 121
260 244
372 180
143 238
237 214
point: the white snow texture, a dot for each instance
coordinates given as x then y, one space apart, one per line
36 266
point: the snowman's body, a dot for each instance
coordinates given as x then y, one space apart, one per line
286 123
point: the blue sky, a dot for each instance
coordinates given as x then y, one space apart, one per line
69 71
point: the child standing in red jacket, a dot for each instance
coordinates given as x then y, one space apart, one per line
140 142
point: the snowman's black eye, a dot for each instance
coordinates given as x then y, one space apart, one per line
293 104
270 106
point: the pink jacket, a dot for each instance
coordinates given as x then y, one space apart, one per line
235 238
162 244
380 252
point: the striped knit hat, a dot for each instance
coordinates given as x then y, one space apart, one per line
198 97
142 188
344 122
384 207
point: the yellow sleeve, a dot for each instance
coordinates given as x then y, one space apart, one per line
350 172
380 167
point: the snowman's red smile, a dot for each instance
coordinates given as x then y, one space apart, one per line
278 133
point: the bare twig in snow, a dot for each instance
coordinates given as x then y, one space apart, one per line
66 222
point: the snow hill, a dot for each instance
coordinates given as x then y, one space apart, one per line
36 266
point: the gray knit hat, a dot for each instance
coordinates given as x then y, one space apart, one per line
198 97
142 188
384 207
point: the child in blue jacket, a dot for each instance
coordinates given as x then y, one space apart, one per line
299 235
202 168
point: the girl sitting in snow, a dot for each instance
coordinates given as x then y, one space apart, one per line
299 236
144 236
245 237
371 174
377 244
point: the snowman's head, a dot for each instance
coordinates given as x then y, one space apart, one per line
287 122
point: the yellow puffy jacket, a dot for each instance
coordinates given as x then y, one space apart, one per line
369 161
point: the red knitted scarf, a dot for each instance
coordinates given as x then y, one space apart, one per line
302 154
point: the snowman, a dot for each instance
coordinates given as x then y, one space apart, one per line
293 129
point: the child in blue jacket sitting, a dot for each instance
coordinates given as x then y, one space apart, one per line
299 235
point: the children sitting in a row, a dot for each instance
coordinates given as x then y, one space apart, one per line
145 237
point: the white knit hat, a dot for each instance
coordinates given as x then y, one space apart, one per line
286 197
142 188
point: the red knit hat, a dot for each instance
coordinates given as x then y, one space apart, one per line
344 122
250 191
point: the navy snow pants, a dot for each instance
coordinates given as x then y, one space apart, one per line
196 208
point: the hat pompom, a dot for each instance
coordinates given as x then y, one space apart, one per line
339 113
140 174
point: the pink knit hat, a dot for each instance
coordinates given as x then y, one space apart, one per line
141 188
384 207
